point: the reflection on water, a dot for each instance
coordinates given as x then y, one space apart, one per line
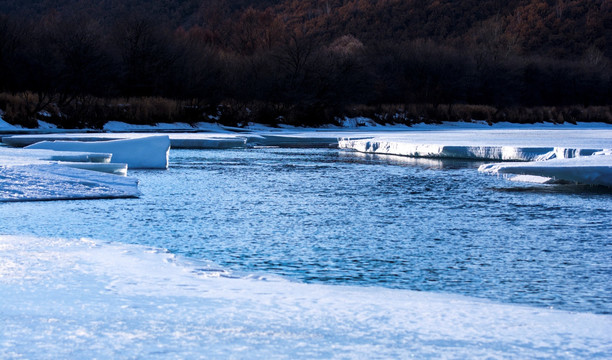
430 163
321 215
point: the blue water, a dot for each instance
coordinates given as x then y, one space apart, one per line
337 217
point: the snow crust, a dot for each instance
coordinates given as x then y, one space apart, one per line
140 153
88 299
592 170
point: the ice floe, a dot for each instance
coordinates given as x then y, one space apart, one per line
140 153
492 144
590 170
404 147
87 299
177 140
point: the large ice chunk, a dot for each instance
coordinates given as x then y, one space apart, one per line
487 152
592 170
141 153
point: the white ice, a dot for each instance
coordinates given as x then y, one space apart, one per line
508 144
149 152
83 299
9 156
591 170
543 137
188 140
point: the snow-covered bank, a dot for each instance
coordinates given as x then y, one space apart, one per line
86 299
141 153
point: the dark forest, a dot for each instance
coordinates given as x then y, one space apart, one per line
304 62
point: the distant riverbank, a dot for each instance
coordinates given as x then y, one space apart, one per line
28 110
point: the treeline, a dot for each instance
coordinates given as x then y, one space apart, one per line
256 65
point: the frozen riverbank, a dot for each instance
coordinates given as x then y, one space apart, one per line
86 299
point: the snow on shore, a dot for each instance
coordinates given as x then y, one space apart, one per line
86 299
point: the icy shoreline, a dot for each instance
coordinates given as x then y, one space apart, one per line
84 299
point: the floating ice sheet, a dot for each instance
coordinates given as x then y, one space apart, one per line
85 299
590 170
10 156
492 144
140 153
479 152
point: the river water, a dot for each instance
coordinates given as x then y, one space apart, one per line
339 217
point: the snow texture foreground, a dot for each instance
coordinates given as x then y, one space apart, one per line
85 299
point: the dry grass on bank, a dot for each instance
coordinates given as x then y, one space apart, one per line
27 108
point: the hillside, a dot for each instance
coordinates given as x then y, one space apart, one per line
543 27
301 60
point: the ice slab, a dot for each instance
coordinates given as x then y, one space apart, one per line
10 156
36 182
513 144
139 153
25 140
116 169
485 152
177 140
590 170
86 299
